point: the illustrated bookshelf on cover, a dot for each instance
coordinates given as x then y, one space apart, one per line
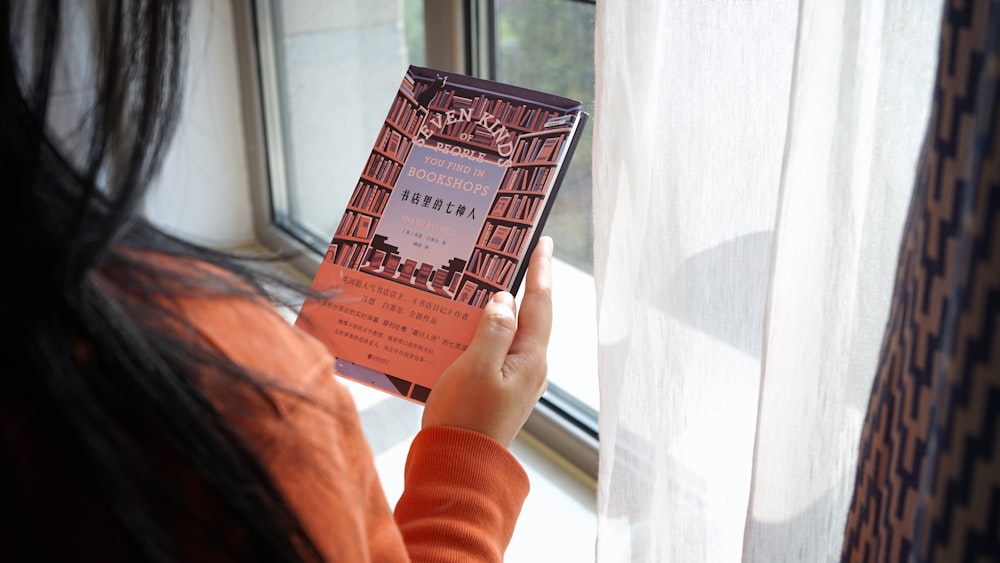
534 138
513 217
515 212
355 232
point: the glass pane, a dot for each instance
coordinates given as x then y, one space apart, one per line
549 45
338 65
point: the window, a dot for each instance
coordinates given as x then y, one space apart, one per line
325 74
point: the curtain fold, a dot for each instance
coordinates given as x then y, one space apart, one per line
752 161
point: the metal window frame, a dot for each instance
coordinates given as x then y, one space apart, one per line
462 40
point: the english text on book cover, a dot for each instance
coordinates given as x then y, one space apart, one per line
445 213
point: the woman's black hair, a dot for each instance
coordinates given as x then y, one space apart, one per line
99 395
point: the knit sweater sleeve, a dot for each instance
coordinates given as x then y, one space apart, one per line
462 496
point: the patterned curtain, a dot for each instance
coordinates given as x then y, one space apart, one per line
928 480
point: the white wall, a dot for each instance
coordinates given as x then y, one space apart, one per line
203 192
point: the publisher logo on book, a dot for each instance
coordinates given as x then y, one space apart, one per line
378 359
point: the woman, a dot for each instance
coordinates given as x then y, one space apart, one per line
156 406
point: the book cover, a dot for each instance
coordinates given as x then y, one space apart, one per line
430 234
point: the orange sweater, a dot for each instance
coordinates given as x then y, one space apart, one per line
463 490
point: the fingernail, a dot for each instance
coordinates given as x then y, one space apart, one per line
504 298
547 244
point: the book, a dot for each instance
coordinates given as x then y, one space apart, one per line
447 209
500 207
499 237
364 224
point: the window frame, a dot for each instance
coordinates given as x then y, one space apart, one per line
462 41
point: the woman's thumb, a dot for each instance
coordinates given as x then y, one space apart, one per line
494 335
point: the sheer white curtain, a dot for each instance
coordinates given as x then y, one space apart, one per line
753 162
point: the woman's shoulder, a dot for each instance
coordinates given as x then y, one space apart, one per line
292 369
257 335
247 327
299 421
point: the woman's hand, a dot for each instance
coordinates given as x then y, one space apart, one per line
493 386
